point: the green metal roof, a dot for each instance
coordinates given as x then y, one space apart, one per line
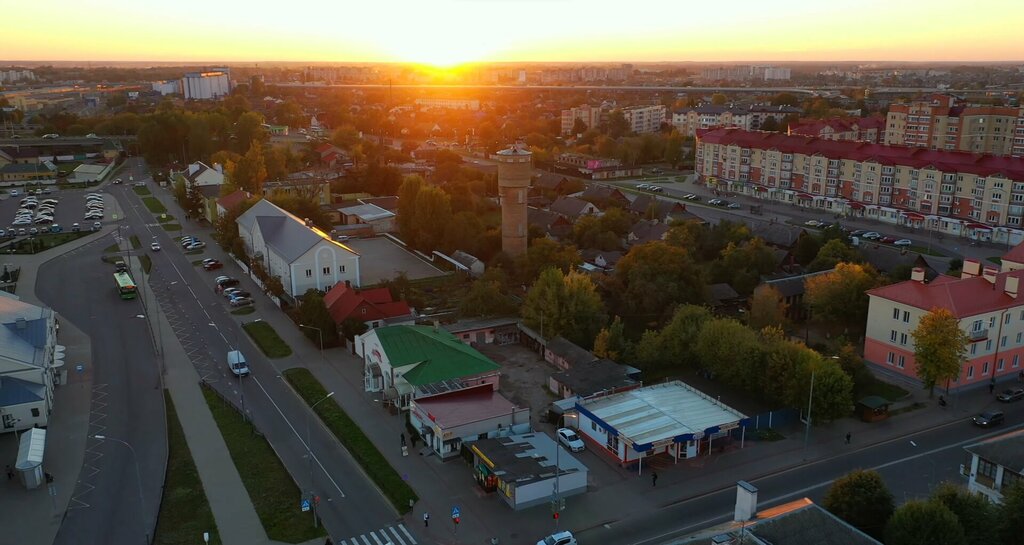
439 355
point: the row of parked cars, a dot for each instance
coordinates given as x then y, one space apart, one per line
33 211
189 242
228 286
650 187
94 206
878 237
724 203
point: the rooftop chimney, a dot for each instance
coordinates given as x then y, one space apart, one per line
1012 286
917 275
746 501
990 274
971 268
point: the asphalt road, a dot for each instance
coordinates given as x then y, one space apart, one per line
350 502
911 466
126 403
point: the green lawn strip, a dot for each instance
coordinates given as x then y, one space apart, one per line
154 205
197 262
164 218
878 387
273 492
136 244
41 243
927 251
147 263
263 334
184 511
111 249
141 191
996 259
171 227
243 311
348 432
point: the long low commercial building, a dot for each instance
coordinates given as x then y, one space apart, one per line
953 192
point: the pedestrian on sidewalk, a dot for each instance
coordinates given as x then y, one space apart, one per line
654 478
403 439
848 436
10 472
426 520
992 385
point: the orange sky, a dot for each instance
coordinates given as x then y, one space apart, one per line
445 32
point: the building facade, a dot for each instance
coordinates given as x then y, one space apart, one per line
644 119
515 168
709 116
449 103
589 115
207 85
995 465
30 361
951 192
944 122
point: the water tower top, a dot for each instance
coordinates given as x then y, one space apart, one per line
518 148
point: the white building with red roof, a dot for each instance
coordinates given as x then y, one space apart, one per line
375 307
988 302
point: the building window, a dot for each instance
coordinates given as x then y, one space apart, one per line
976 326
988 345
901 362
892 336
1002 342
1016 361
35 413
984 368
1019 337
327 270
1006 320
309 273
342 268
999 365
974 348
970 372
890 358
992 321
903 338
906 316
895 314
987 469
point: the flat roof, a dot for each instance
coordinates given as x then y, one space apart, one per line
465 406
526 458
367 212
660 412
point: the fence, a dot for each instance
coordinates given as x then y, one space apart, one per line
776 419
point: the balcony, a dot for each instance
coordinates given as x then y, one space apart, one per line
979 335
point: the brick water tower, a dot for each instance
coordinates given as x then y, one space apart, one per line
515 168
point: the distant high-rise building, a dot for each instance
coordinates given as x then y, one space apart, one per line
643 119
590 115
208 85
515 169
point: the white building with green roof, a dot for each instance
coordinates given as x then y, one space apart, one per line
406 362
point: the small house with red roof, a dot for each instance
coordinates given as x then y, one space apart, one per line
374 307
231 201
332 156
987 302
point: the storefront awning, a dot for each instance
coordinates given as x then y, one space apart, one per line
913 216
804 196
856 206
978 227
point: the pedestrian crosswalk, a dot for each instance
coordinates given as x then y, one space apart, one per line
385 536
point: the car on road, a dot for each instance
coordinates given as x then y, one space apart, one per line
50 136
197 245
155 246
690 197
559 538
871 235
75 228
887 239
1011 394
241 302
812 223
33 231
858 232
642 186
96 226
571 441
734 205
213 265
657 188
237 363
988 419
14 193
117 181
903 242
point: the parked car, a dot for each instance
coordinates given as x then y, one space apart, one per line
571 441
1011 394
186 240
241 302
198 245
871 235
812 223
237 363
3 234
50 136
988 419
903 242
642 186
559 538
229 283
96 226
858 233
887 240
155 246
221 277
240 293
117 181
75 228
690 196
734 205
213 265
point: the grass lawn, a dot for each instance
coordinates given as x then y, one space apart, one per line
42 243
878 387
271 489
197 263
348 432
154 205
171 227
263 334
184 511
111 249
147 263
164 218
243 311
136 244
997 260
141 191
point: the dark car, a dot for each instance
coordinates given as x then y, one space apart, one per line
223 284
887 240
213 265
1011 394
858 233
989 418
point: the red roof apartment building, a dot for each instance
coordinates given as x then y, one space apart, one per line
867 129
958 193
944 122
988 302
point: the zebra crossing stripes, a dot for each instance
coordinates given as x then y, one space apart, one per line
397 536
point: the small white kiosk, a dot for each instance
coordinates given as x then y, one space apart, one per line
30 458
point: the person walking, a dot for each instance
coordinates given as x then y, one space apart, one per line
10 472
403 439
1020 376
426 520
848 437
654 478
992 386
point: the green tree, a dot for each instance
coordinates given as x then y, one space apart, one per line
807 248
407 194
861 499
770 125
924 523
313 312
975 513
840 296
433 214
617 124
463 233
487 296
1010 514
672 349
729 349
785 99
831 254
249 129
719 99
251 171
655 277
579 127
545 253
611 341
766 308
939 347
833 390
566 305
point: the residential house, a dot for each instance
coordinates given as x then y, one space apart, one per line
406 362
28 172
573 208
565 354
199 175
604 260
598 377
307 187
645 231
449 420
231 201
29 361
725 299
211 194
379 219
605 196
301 255
332 156
996 464
374 307
596 168
553 184
792 289
867 129
389 203
552 224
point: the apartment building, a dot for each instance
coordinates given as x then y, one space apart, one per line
643 119
590 115
708 116
988 303
449 103
866 129
944 122
209 85
980 197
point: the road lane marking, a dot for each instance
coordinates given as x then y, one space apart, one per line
407 534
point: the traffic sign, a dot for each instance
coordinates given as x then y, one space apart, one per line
455 512
305 505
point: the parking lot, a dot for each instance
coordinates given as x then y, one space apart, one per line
70 208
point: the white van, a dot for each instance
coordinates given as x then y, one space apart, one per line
237 363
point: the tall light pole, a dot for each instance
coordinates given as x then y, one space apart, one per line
309 455
138 478
558 469
320 335
810 401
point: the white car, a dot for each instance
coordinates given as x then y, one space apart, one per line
155 246
198 245
871 235
903 242
812 223
559 538
50 136
571 441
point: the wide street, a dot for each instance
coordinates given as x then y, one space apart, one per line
350 503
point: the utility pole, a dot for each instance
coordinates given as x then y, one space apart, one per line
810 400
309 458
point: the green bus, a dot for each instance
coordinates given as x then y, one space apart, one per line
125 285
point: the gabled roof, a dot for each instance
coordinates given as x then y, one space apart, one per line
23 331
1016 254
569 206
810 525
790 286
342 301
436 354
210 191
603 193
544 218
233 199
722 292
549 181
648 231
389 203
285 233
569 351
594 377
1005 450
778 234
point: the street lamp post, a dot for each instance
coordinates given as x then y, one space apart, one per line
309 455
320 335
138 478
810 400
558 469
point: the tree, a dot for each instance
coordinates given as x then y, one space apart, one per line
861 499
766 308
407 194
719 99
313 312
831 254
545 253
579 127
194 203
833 390
939 347
975 513
433 214
611 341
728 348
656 277
785 99
566 305
617 124
249 129
840 296
1011 513
250 171
487 296
924 523
770 125
807 248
